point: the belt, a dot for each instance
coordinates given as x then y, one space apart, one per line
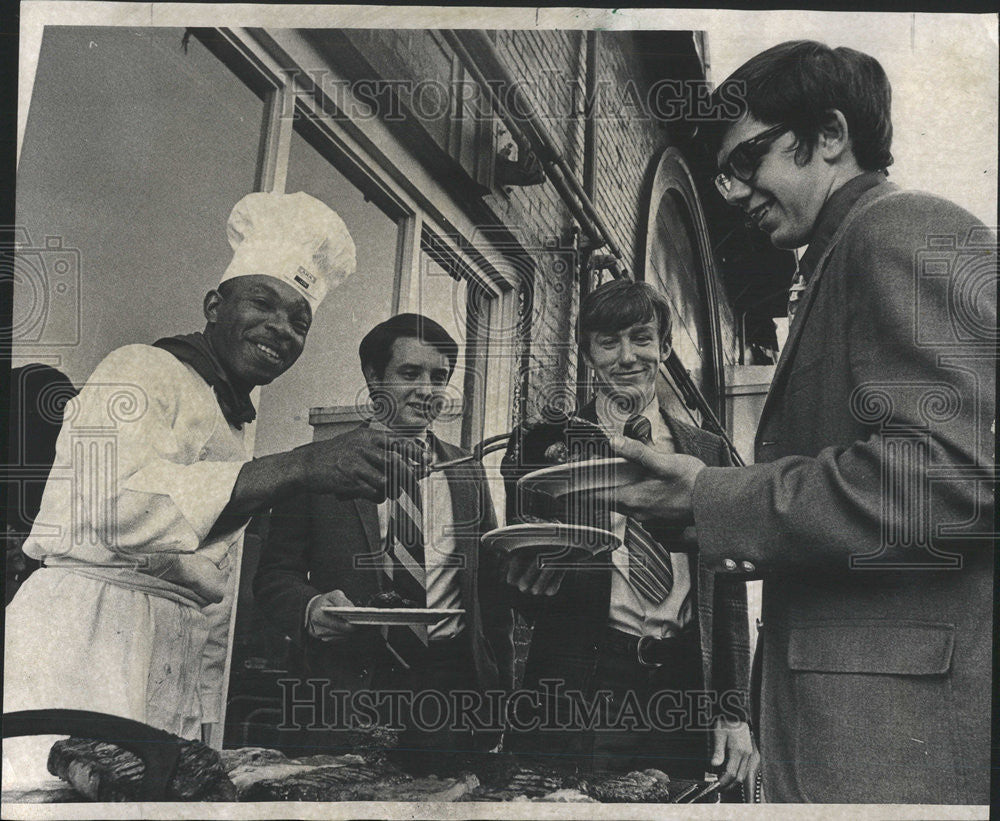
646 650
129 579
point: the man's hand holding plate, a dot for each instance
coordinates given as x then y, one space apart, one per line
666 493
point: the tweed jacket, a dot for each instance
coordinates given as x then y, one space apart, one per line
868 511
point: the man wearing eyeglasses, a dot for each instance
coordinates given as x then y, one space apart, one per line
868 510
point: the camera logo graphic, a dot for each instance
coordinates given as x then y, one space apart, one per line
962 270
45 280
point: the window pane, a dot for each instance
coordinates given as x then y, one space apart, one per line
136 149
444 299
329 372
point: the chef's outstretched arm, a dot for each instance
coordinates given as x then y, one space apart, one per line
353 465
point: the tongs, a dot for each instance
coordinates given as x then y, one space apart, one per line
695 793
487 446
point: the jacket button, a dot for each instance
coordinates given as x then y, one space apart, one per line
728 564
748 567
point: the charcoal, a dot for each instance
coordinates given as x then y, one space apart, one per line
106 772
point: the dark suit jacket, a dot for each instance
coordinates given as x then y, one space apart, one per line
312 545
875 678
575 619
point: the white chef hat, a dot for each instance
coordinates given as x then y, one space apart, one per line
291 237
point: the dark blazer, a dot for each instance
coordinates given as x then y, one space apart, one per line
576 618
875 672
312 545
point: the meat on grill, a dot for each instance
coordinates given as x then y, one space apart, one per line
106 772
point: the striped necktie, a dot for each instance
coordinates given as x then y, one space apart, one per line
405 546
650 571
795 294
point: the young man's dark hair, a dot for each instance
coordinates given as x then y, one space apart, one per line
375 349
798 82
621 303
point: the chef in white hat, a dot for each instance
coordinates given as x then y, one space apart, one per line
129 613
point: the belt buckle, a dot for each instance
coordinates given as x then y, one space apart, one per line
638 653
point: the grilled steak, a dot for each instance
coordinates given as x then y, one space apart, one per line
646 786
350 783
389 599
106 772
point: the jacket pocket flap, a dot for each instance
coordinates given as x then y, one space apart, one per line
909 648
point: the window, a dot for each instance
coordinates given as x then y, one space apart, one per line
136 148
449 293
329 372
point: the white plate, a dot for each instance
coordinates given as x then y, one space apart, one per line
579 477
561 540
393 615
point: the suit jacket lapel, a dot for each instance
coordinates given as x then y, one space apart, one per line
461 491
684 442
808 296
368 514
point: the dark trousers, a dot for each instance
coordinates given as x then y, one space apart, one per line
634 717
429 740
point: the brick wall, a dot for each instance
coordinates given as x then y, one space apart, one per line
552 66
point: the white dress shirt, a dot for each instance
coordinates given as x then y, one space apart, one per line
629 611
441 564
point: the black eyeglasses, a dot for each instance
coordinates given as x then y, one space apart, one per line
744 160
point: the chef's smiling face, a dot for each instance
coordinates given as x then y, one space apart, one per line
257 326
626 361
408 396
784 196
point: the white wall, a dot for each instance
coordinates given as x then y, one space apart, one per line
943 70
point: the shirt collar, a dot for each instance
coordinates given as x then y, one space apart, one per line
833 213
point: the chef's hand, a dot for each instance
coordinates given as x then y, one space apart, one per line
327 626
732 746
521 569
667 491
356 464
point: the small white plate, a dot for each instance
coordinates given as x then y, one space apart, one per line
579 477
562 541
393 615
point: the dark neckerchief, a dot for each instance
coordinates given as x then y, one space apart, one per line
833 212
196 351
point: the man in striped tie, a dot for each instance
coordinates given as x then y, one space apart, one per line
419 547
645 625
